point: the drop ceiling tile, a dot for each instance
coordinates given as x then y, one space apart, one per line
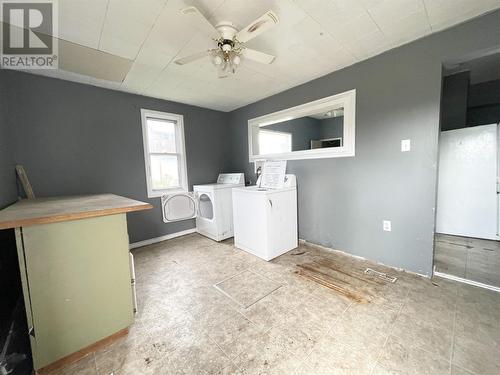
370 45
313 38
197 43
407 27
200 99
173 76
353 27
345 21
81 21
148 66
309 30
140 77
446 13
127 25
386 10
400 20
332 11
166 86
277 40
92 62
306 33
160 47
371 3
241 12
279 70
313 41
208 7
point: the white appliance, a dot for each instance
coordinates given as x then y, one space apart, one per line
467 199
265 219
211 205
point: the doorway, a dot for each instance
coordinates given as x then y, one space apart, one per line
466 243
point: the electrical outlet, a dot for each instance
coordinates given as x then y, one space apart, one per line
386 225
405 145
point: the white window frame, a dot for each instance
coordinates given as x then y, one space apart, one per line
180 147
346 100
280 132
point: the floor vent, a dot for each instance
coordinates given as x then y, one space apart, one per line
381 275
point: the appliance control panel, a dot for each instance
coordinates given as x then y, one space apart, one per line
231 178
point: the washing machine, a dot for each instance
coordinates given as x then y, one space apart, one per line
265 219
210 204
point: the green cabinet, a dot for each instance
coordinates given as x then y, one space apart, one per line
76 283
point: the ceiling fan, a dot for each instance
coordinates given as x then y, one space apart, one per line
226 56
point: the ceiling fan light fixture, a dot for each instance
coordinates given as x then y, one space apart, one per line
227 56
217 60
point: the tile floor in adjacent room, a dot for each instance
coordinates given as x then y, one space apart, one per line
187 326
469 258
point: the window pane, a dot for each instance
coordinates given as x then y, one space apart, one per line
161 136
164 172
271 142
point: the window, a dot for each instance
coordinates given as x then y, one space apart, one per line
273 142
164 152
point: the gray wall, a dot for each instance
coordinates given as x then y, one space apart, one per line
484 103
465 105
454 101
484 93
484 115
332 127
303 130
80 139
7 174
342 201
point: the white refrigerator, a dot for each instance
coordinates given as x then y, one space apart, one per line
467 199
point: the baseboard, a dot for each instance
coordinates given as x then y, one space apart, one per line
302 241
107 341
161 238
467 281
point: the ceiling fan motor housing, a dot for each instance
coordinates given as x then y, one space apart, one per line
226 45
227 30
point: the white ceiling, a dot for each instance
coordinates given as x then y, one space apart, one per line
313 38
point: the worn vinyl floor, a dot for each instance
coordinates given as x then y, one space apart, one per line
470 258
185 325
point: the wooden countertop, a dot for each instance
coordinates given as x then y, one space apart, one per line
28 212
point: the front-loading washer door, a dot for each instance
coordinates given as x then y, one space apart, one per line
180 206
205 206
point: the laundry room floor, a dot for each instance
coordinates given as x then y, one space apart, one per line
279 318
469 258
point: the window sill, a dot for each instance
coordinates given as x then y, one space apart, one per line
159 194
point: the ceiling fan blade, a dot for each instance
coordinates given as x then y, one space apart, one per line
258 56
200 22
257 27
191 58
